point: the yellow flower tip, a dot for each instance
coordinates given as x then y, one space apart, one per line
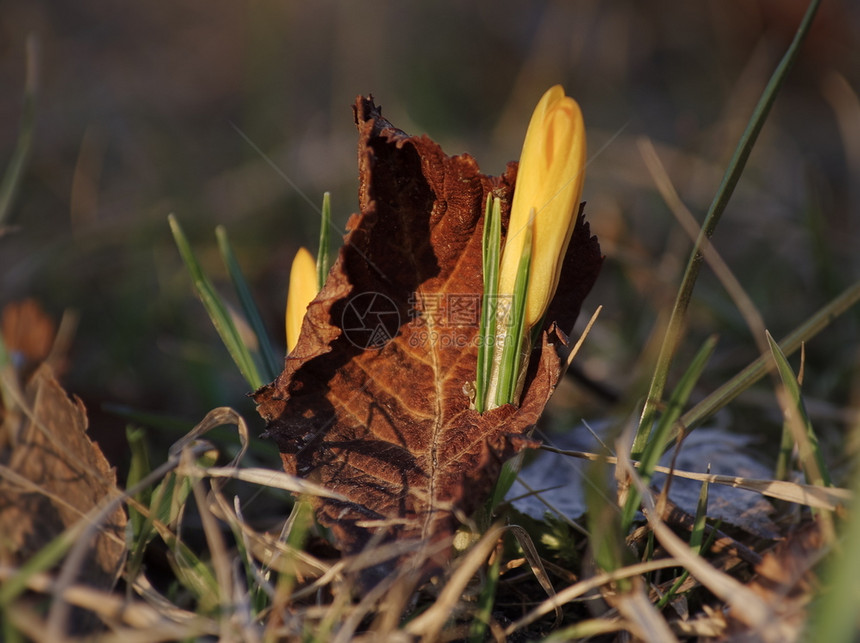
303 288
549 180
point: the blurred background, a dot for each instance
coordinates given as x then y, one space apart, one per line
239 113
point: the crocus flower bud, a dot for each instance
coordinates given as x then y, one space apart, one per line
549 182
303 288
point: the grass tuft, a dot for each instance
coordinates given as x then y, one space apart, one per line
674 329
217 310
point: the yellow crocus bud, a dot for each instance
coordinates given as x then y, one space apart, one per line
549 182
303 288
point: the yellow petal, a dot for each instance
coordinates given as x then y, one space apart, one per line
303 288
550 178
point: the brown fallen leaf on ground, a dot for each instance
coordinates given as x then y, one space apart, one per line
28 333
785 579
374 401
51 478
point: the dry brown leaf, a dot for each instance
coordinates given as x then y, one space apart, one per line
27 331
52 478
785 580
374 400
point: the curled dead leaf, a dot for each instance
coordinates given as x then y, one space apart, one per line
52 478
374 400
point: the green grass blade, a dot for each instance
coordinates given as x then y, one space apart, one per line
759 368
657 446
512 352
295 533
324 253
605 534
663 433
492 242
163 508
165 504
193 573
41 561
584 631
270 361
674 330
168 505
8 378
163 423
15 170
257 598
811 459
171 494
507 476
697 536
486 600
8 632
216 309
4 356
138 469
782 470
834 613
